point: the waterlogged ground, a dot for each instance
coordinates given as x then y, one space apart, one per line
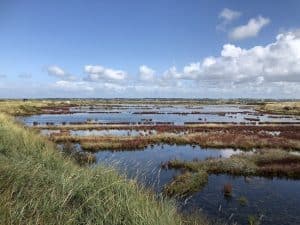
146 164
273 201
108 132
178 115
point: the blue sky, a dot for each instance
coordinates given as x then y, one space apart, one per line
149 48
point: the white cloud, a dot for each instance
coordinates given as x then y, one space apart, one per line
229 15
231 51
58 72
191 71
251 29
146 73
272 70
172 73
73 86
114 87
275 62
100 73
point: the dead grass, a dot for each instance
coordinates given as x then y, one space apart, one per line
234 137
287 108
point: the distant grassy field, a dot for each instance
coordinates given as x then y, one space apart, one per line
35 106
285 108
39 186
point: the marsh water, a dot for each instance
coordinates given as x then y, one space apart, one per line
272 201
178 115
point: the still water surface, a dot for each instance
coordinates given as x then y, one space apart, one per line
274 201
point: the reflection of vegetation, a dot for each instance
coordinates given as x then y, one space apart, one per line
268 163
80 157
252 220
39 186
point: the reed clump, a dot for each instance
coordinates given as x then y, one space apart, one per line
243 201
187 183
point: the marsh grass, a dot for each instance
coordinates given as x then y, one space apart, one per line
253 220
243 201
285 108
186 183
82 158
215 139
266 163
39 186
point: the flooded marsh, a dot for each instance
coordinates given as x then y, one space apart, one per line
164 144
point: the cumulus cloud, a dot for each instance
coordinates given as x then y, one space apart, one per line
146 73
172 73
2 76
60 73
227 16
251 29
271 70
100 73
275 62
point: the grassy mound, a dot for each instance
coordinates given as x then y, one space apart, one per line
265 162
39 186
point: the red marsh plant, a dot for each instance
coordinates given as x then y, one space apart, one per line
227 189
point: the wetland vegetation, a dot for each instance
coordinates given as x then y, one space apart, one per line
266 163
180 145
40 186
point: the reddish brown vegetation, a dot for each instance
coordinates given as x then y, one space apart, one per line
289 166
227 189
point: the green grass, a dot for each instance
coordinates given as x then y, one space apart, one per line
266 163
39 186
34 106
186 183
243 201
17 107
